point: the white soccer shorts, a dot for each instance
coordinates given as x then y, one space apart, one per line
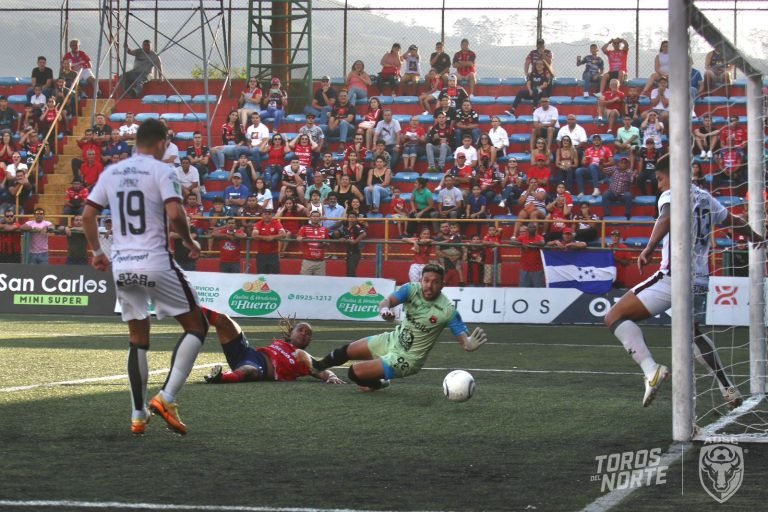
655 293
168 290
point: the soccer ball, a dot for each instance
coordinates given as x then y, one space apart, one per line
459 386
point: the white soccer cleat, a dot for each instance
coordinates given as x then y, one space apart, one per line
661 374
733 398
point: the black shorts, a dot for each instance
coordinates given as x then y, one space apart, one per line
239 353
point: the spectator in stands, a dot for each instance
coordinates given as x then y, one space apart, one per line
263 194
322 101
10 237
567 241
358 147
421 207
371 118
77 245
171 155
733 136
342 118
428 99
399 211
464 63
313 235
378 189
334 215
660 101
7 149
731 168
15 165
596 158
512 185
101 130
422 249
276 151
632 106
38 243
477 208
353 169
247 170
652 128
533 202
304 149
697 175
499 137
68 74
356 205
660 68
585 223
194 209
475 261
37 100
717 72
390 70
439 137
20 188
79 60
646 177
144 61
257 133
199 154
353 233
452 253
316 135
189 179
28 120
462 172
537 86
610 104
9 118
627 137
346 191
250 211
388 130
467 123
42 76
60 91
330 169
545 120
706 138
276 103
623 257
48 118
531 266
250 101
617 51
294 177
412 142
115 146
446 108
91 169
593 70
486 152
380 149
538 54
229 238
319 185
219 213
412 73
440 62
289 215
75 199
455 94
357 83
566 162
236 194
621 178
540 169
268 232
32 144
450 201
233 142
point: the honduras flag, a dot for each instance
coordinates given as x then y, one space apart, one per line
589 271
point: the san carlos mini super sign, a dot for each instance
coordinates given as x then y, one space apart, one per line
255 298
360 301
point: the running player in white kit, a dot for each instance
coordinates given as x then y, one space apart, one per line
144 196
654 295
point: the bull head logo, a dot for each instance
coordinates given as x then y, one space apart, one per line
721 470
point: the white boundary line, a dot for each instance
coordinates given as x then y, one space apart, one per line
161 506
608 501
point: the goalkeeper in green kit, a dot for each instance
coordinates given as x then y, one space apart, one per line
403 351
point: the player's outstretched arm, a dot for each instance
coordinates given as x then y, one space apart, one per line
394 300
326 376
472 342
742 226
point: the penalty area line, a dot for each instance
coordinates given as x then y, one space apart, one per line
161 506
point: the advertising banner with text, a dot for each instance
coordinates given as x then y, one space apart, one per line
62 289
728 300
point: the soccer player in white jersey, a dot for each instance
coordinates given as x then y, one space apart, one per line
403 351
654 295
143 194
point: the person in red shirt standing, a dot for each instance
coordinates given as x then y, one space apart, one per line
314 251
10 238
491 241
611 104
80 60
617 61
267 233
91 169
623 258
229 236
531 266
464 62
596 157
86 143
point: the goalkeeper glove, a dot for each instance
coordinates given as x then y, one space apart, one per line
473 341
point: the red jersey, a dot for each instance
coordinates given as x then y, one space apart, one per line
229 250
283 355
730 160
90 173
314 251
619 105
495 239
530 258
617 59
374 115
79 61
361 153
87 146
559 217
304 154
194 211
398 204
465 56
733 137
276 155
540 173
77 196
291 225
595 154
10 242
464 172
271 229
412 135
423 256
621 270
228 134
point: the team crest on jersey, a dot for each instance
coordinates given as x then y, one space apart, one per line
433 319
406 339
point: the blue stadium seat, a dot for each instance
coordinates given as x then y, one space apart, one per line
433 177
426 119
644 200
483 100
581 100
592 200
724 243
406 100
614 218
505 119
505 217
143 116
565 81
712 100
184 136
385 100
218 176
17 99
521 157
489 80
520 138
484 119
560 100
523 119
738 100
182 153
514 81
642 219
730 201
117 117
644 101
636 82
405 196
338 80
196 116
505 100
372 215
200 99
608 138
210 196
179 98
636 241
9 80
584 119
402 118
405 177
25 80
154 99
296 118
172 116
